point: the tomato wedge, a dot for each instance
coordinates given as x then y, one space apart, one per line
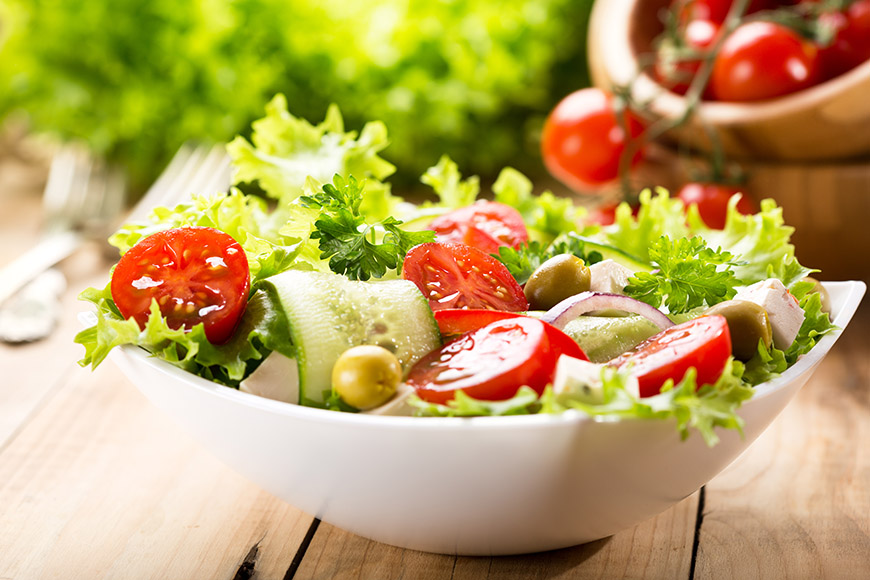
454 275
486 225
195 274
489 363
453 322
703 343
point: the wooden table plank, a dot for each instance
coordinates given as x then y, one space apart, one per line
99 484
797 504
658 548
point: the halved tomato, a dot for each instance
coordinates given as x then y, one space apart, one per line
453 322
486 225
703 343
195 274
489 363
454 275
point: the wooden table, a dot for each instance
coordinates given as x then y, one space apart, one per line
96 483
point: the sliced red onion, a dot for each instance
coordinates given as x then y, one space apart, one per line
570 308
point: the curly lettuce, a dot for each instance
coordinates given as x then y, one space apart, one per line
702 410
263 328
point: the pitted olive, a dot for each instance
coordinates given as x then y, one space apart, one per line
558 278
366 376
748 323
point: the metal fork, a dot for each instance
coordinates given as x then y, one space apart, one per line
80 200
193 170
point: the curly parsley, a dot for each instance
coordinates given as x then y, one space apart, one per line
357 249
689 274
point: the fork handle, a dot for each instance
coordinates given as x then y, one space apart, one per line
49 251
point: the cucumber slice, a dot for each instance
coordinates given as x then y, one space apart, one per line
329 314
605 337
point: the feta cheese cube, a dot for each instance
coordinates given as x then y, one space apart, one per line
580 380
782 308
276 378
609 276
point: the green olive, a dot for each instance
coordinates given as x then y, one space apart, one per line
748 323
366 376
558 278
823 294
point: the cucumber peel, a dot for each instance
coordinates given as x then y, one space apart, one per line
329 314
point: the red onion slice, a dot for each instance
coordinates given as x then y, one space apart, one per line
570 308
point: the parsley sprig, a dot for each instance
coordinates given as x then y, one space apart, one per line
523 261
357 249
689 275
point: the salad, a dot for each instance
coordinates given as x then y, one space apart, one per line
321 287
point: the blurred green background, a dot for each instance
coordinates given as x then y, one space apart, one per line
136 78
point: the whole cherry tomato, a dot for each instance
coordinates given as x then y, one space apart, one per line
674 68
762 60
851 43
455 275
195 274
486 225
583 140
712 201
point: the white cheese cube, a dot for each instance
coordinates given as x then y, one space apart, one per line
609 276
785 315
276 378
398 405
580 380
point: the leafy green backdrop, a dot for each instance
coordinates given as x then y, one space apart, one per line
136 78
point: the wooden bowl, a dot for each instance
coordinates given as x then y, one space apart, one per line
829 121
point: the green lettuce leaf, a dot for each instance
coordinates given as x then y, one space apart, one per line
816 324
446 180
762 241
263 328
287 150
244 217
658 215
702 410
546 215
523 403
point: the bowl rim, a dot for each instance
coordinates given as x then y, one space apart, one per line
724 113
854 290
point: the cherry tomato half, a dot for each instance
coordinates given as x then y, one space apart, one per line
486 225
703 343
712 201
762 60
583 139
195 274
489 363
454 275
453 322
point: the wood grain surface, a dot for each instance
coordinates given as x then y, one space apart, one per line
96 483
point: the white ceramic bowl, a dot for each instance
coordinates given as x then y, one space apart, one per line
481 486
